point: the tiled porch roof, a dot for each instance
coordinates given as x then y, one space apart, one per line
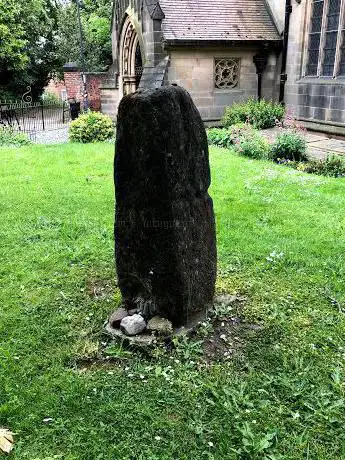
217 21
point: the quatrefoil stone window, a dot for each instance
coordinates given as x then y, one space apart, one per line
227 73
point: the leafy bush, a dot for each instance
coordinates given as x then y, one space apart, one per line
261 114
6 95
9 137
333 166
289 145
226 137
220 137
91 127
245 140
240 131
253 145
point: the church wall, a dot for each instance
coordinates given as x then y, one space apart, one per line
194 70
318 102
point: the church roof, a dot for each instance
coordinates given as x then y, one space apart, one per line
217 21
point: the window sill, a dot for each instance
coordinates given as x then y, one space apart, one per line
323 80
228 91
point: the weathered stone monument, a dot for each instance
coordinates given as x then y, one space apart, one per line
165 241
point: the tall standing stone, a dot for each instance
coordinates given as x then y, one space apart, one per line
165 241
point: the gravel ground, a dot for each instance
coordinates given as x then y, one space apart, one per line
54 136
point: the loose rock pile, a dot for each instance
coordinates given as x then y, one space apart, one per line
136 328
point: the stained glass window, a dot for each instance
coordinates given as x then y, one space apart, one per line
315 37
326 44
342 55
331 37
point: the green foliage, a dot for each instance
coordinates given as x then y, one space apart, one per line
9 137
332 166
252 145
261 114
220 137
96 24
27 44
289 145
37 37
91 127
6 95
245 140
226 137
187 349
240 131
12 35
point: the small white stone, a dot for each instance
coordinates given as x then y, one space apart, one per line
133 325
47 420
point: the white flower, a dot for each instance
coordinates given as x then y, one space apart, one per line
158 438
210 444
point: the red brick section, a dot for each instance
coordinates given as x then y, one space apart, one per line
93 82
74 87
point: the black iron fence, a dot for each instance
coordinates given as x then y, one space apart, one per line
33 117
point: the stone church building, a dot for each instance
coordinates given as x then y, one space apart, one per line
223 51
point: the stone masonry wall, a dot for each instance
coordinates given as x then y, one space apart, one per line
109 101
318 102
194 71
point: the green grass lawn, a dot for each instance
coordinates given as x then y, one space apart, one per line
282 397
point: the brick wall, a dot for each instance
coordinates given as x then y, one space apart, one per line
74 87
93 83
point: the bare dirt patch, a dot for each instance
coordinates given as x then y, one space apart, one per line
99 289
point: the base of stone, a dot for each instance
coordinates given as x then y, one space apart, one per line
146 340
141 340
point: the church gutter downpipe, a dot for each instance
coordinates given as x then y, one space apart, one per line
283 75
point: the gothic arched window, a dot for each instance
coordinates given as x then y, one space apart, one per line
326 44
